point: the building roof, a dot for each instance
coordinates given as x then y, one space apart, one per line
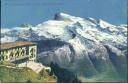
9 45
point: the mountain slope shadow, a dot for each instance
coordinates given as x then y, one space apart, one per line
51 44
119 62
63 75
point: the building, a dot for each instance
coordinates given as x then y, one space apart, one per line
18 52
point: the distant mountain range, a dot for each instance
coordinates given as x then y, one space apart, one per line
93 49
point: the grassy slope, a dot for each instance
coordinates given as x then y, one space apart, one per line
8 74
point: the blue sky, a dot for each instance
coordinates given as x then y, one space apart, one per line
17 12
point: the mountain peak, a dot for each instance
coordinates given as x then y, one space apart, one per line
104 24
61 16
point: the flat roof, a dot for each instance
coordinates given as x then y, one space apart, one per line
9 45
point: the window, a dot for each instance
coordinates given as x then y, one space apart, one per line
6 57
17 54
23 52
1 58
11 55
32 52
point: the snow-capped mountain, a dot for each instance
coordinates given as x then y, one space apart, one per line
85 46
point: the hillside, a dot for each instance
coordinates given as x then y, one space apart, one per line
10 73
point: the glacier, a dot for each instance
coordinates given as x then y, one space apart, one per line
86 46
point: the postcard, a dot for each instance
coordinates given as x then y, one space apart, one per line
63 41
